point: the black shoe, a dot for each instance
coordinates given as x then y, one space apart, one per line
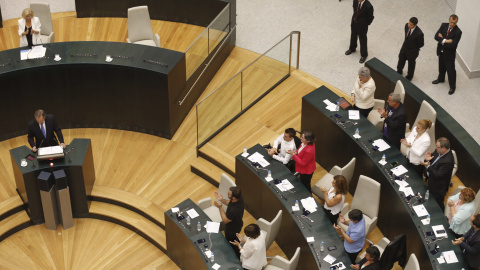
437 82
362 60
452 90
348 52
408 77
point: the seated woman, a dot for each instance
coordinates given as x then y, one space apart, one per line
461 207
417 144
335 197
253 254
371 260
29 29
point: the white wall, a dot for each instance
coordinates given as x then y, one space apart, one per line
469 23
13 8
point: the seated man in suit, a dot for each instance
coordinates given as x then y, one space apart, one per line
283 143
439 167
395 119
470 243
42 130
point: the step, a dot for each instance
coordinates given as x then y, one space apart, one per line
131 201
218 157
13 224
10 206
207 170
139 224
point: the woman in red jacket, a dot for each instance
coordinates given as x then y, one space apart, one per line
305 159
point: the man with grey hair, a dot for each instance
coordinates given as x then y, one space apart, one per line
363 91
395 119
42 131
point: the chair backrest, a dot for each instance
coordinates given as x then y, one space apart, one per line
225 184
271 228
139 25
42 11
431 133
477 202
399 89
367 196
347 170
412 263
426 112
455 166
294 260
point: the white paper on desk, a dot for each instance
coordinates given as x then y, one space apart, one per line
399 170
309 204
354 114
382 145
420 210
450 256
310 239
192 213
245 154
263 162
216 266
50 150
357 136
35 52
295 208
255 157
382 162
440 260
285 185
340 265
268 178
402 183
175 209
437 228
408 191
327 102
23 54
208 253
213 227
329 259
425 221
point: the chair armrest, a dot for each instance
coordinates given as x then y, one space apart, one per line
128 41
156 39
51 37
280 262
383 242
372 226
335 170
407 128
345 209
205 203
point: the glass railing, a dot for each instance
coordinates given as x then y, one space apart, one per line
207 41
245 88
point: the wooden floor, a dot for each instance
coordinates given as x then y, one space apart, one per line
153 168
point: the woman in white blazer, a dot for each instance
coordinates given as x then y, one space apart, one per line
417 144
29 28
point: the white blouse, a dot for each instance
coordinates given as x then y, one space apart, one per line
253 254
337 207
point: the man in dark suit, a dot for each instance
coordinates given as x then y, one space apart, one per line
362 17
395 119
448 37
470 243
439 168
410 48
42 130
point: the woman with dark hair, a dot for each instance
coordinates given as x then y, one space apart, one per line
370 262
305 159
253 254
335 197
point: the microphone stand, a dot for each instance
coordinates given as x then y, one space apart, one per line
36 154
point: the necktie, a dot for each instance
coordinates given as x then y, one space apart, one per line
409 33
448 32
358 10
43 131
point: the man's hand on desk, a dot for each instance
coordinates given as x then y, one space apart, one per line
63 145
34 149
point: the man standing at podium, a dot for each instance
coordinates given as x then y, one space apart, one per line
42 130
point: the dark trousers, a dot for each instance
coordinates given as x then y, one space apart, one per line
446 63
440 198
353 256
306 180
405 56
333 218
230 238
359 31
418 168
363 112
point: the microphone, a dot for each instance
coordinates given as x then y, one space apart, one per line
36 154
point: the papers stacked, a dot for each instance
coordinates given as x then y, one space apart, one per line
35 52
420 210
309 204
285 185
329 259
403 187
439 228
354 114
257 157
399 170
382 145
192 213
212 227
330 106
450 257
50 150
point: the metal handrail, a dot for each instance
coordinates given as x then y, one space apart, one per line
206 66
288 36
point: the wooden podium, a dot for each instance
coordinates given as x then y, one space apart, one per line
80 173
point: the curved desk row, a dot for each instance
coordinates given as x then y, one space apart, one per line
262 200
335 145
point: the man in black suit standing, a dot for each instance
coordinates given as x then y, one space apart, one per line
411 47
470 243
362 17
448 37
395 119
42 130
439 168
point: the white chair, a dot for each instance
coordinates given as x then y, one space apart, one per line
279 263
455 167
412 263
374 116
42 11
271 228
326 181
140 27
381 245
426 112
455 191
366 199
206 204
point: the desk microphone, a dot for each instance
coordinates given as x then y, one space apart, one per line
36 154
